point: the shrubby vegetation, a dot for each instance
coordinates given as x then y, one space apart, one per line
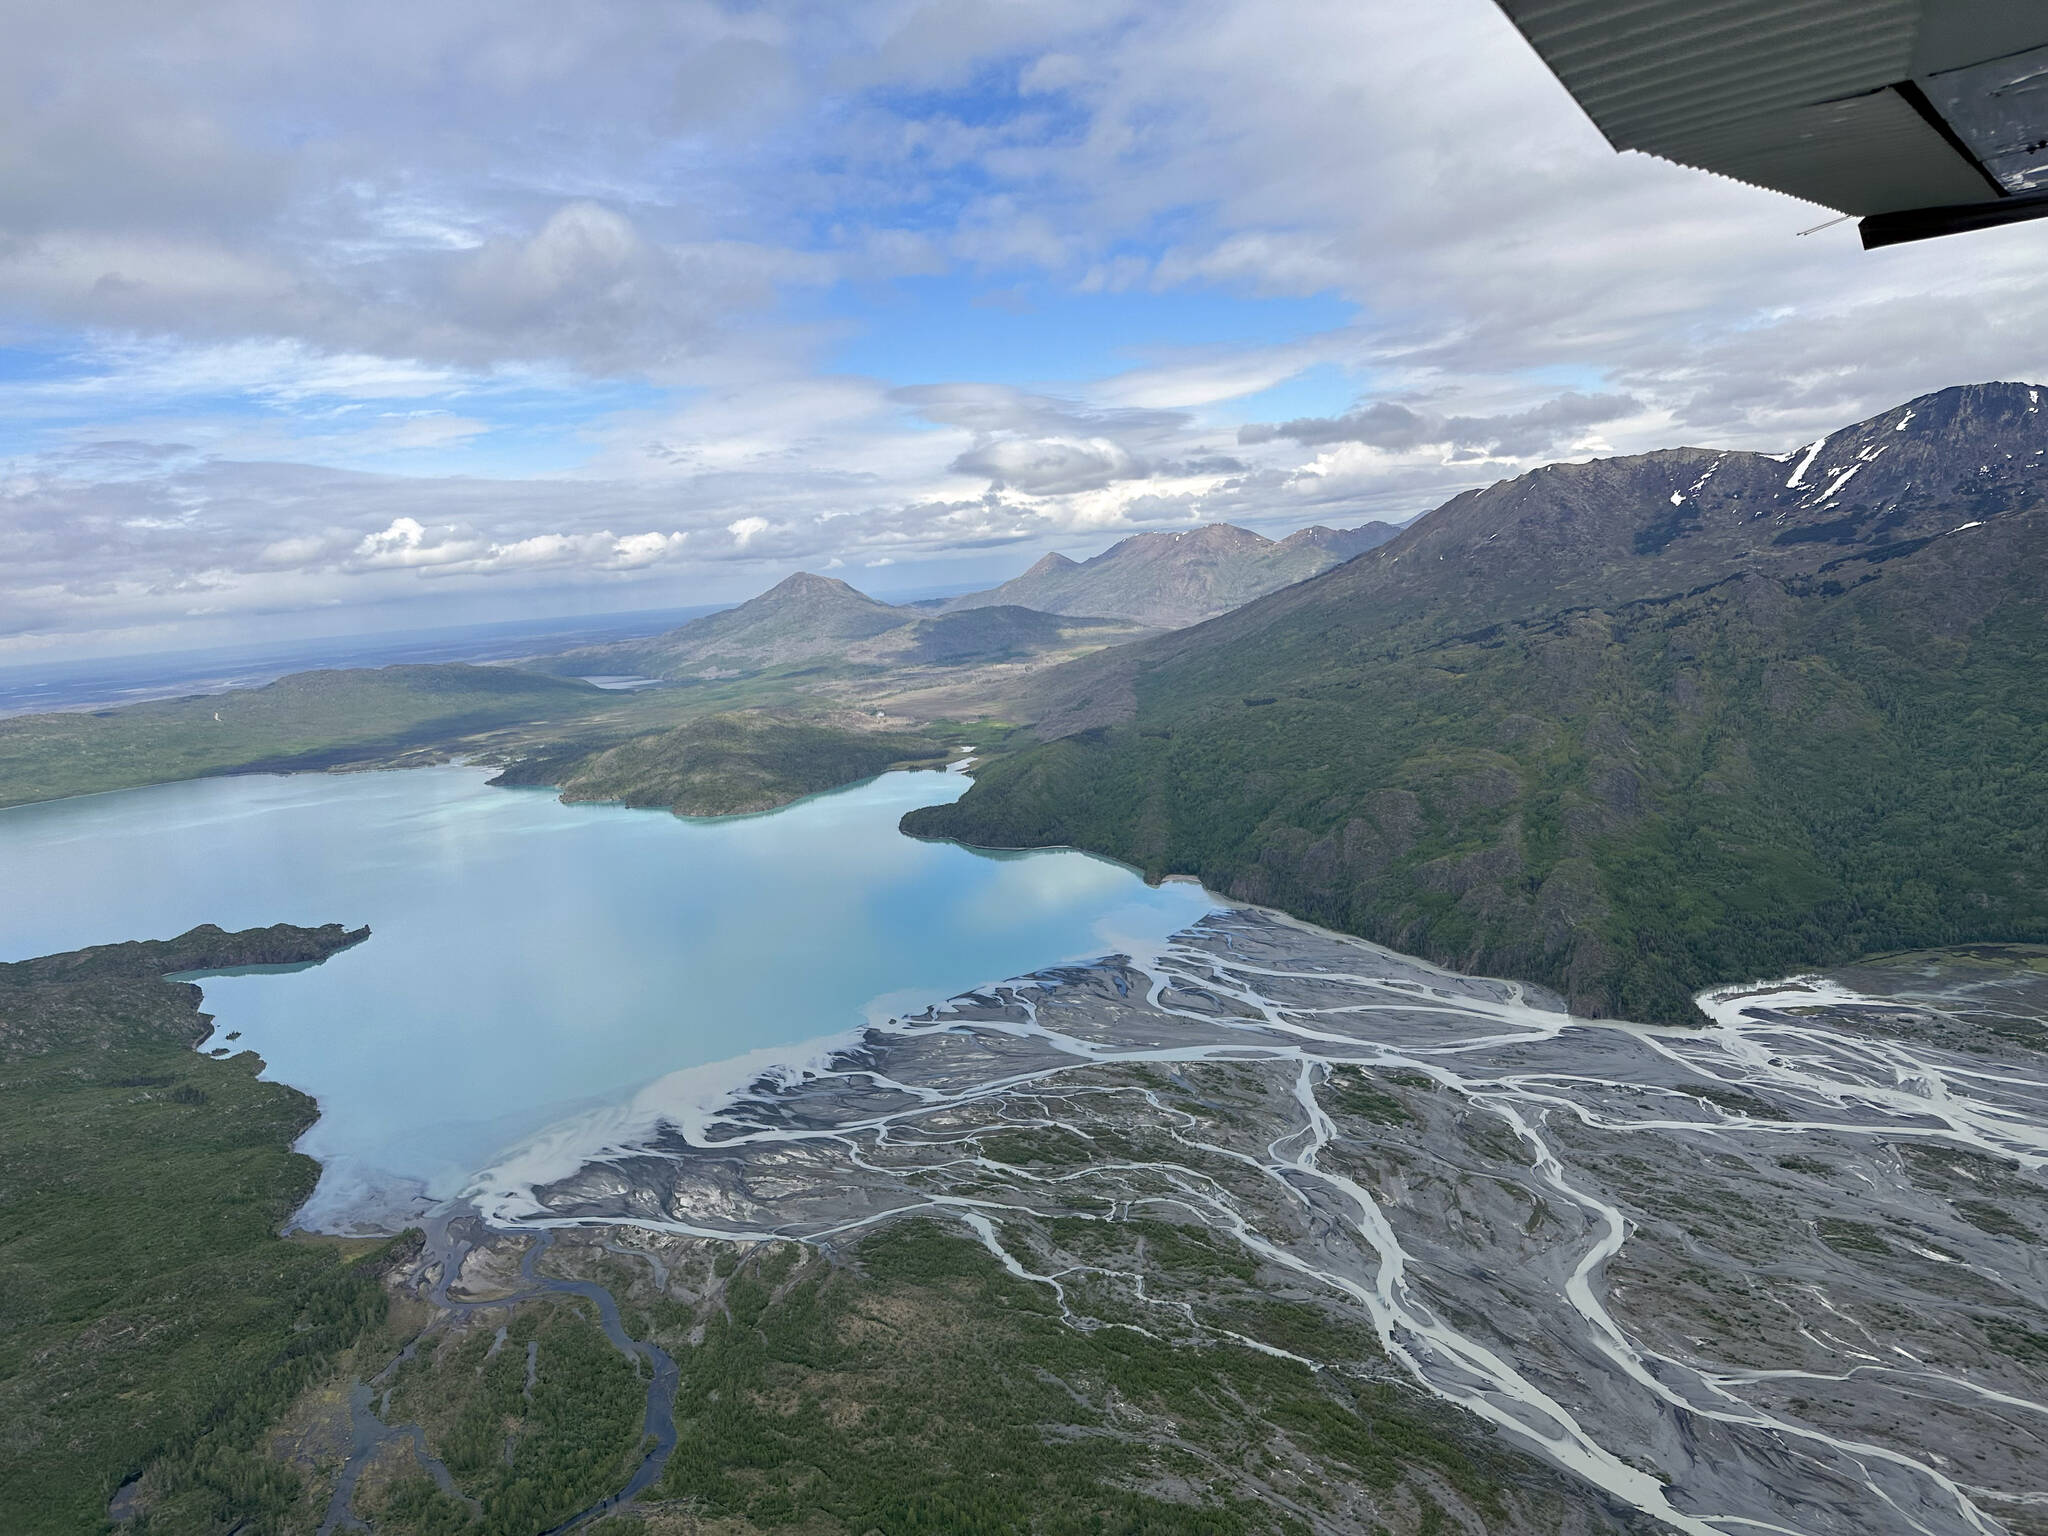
530 1455
150 1316
929 1390
1631 804
915 1386
308 720
726 764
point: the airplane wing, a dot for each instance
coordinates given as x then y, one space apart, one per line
1924 117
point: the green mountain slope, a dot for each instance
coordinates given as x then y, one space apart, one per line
982 635
1627 728
307 720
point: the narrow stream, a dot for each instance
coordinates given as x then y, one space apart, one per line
659 1422
369 1433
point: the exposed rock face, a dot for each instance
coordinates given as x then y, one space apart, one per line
1343 543
979 635
1151 581
1616 530
1169 580
1666 719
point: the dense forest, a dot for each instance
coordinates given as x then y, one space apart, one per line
150 1316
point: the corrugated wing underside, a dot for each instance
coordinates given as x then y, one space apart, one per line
1870 107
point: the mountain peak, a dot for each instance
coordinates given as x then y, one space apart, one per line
1343 543
1785 648
1656 524
809 587
1224 536
1052 565
1167 545
800 617
1163 578
2006 393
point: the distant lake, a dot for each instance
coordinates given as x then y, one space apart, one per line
114 680
530 959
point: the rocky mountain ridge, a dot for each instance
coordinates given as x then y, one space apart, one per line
1629 728
1148 581
1167 580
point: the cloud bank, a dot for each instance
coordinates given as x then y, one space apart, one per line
305 306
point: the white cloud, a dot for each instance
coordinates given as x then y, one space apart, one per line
403 543
588 279
1051 466
458 549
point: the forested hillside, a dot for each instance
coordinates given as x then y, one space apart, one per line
150 1316
306 721
1627 728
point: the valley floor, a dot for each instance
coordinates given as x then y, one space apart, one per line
1780 1273
1270 1230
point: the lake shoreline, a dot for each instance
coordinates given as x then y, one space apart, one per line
1507 1198
535 960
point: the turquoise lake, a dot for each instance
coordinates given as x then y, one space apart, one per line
530 960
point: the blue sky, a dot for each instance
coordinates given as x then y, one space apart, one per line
309 312
1042 335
